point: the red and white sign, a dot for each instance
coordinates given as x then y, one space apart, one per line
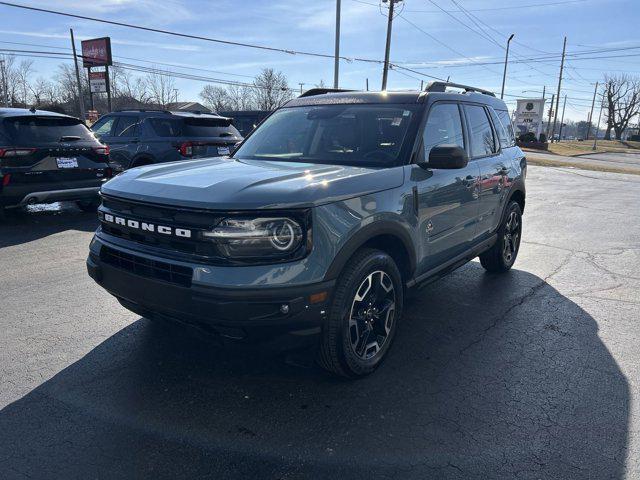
96 52
98 82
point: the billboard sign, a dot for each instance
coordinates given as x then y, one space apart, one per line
98 82
96 52
529 116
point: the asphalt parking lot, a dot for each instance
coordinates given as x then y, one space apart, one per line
532 374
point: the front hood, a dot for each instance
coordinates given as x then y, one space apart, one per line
224 183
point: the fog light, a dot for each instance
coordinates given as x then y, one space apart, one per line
284 308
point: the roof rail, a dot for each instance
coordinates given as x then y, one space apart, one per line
442 86
142 110
321 91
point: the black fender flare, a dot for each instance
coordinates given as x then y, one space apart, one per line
368 233
518 186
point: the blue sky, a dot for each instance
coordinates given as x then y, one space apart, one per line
307 25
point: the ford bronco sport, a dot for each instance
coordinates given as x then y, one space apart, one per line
314 228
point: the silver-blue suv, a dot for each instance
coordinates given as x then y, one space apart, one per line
312 231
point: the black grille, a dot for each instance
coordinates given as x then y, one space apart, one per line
193 219
167 272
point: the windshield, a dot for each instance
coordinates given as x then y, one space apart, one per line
31 130
360 135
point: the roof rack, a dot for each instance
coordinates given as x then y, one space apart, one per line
142 110
442 87
321 91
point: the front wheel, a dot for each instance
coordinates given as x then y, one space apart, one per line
502 255
364 315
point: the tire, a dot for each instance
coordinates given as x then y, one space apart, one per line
89 206
502 256
369 285
141 162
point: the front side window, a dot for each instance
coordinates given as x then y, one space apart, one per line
444 127
103 126
480 132
361 135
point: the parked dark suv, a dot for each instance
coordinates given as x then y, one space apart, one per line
47 157
143 137
312 231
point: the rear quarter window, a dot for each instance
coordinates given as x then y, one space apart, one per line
505 120
32 130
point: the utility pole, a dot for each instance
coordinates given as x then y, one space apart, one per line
593 102
550 113
367 84
301 84
421 85
385 70
4 84
506 59
555 117
564 105
75 61
336 62
595 135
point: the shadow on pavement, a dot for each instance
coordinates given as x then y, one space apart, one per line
25 225
490 377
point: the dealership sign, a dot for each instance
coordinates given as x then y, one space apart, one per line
529 116
96 52
98 82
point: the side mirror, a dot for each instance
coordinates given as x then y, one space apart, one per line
447 157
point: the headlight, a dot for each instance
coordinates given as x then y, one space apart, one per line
261 238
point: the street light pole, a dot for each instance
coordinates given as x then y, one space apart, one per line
385 70
506 59
336 62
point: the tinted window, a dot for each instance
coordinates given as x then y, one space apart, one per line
480 132
209 127
166 127
500 130
371 135
34 130
505 119
444 127
126 127
103 126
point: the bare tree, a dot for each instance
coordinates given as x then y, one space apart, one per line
161 87
270 89
622 102
128 90
241 97
43 92
216 98
23 74
11 74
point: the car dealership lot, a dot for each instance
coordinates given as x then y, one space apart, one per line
532 374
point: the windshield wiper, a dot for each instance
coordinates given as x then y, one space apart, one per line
69 138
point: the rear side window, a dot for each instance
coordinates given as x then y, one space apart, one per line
28 130
209 127
444 127
166 127
480 132
505 119
500 130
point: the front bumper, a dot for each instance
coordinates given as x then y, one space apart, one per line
280 317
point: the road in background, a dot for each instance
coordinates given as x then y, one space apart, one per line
531 374
607 162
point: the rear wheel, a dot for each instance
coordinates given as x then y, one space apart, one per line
364 315
502 255
140 162
88 206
